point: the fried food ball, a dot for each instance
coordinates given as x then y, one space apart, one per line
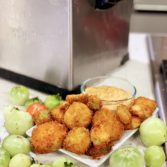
123 114
48 137
77 115
103 115
106 132
83 98
77 140
94 103
147 102
117 130
142 111
96 152
101 134
135 123
42 116
58 112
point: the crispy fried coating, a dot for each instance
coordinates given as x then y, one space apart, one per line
83 98
147 102
101 134
123 114
135 123
106 127
58 112
117 130
42 116
142 111
96 152
103 115
77 140
94 103
64 105
106 132
48 137
143 107
77 115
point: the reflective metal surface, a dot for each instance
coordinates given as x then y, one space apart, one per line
35 38
100 38
62 42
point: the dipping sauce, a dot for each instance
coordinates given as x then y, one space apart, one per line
108 93
111 96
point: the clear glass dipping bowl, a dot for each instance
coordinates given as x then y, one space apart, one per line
117 82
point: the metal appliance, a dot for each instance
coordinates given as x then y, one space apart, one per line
62 42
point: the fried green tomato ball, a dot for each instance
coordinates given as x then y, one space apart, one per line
77 140
48 137
77 115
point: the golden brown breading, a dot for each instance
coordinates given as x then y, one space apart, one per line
117 130
77 115
103 115
48 137
106 132
123 114
77 140
141 111
96 152
83 98
135 123
42 116
147 102
94 103
58 112
64 105
101 134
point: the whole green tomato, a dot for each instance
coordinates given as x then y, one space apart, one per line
154 156
17 122
15 144
52 101
19 94
127 156
20 160
4 158
63 162
153 131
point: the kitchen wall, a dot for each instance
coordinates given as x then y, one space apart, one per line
151 22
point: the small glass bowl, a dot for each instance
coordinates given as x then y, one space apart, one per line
114 82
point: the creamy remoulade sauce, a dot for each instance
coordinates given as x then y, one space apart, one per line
111 96
108 93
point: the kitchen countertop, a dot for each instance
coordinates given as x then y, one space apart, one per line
137 70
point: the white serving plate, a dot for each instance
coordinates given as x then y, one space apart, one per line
93 162
87 159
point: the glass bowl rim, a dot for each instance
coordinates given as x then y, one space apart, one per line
114 77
